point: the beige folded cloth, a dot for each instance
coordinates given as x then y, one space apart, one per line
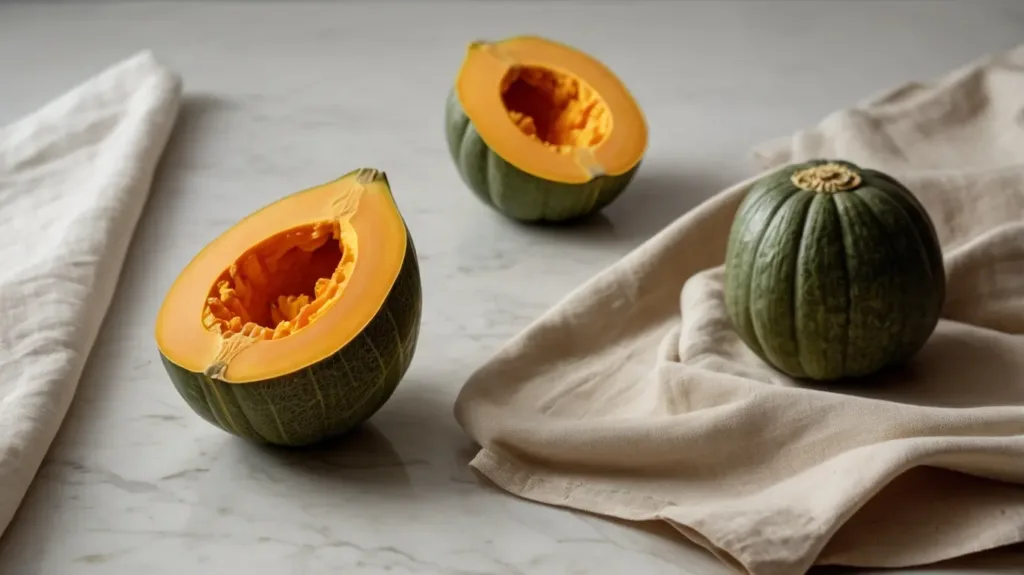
74 176
634 398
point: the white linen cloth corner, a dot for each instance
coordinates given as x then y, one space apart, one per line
74 177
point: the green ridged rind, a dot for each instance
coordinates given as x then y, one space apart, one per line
763 200
325 399
823 300
515 193
832 286
774 270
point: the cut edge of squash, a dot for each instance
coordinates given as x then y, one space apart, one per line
359 210
479 87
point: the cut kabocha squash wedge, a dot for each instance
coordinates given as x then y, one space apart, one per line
542 132
297 323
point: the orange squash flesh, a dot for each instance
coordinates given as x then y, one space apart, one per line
287 286
562 99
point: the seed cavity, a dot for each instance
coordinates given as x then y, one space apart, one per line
559 110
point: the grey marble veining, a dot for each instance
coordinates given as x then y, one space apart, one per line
283 96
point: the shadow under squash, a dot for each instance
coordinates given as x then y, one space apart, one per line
957 368
656 197
412 434
364 453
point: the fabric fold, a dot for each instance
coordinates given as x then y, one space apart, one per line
74 177
634 398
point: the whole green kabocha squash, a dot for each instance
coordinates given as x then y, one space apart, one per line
833 271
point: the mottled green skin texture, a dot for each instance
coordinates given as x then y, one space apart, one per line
515 193
825 286
328 398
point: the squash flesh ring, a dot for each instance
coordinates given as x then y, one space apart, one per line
194 332
493 89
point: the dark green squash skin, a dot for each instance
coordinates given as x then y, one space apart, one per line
825 286
515 193
328 398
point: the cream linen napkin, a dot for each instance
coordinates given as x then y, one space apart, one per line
634 398
74 176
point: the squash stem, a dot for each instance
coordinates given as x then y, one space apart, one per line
826 178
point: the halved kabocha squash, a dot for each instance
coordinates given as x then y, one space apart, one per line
540 131
299 322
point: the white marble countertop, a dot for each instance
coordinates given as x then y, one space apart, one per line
279 97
